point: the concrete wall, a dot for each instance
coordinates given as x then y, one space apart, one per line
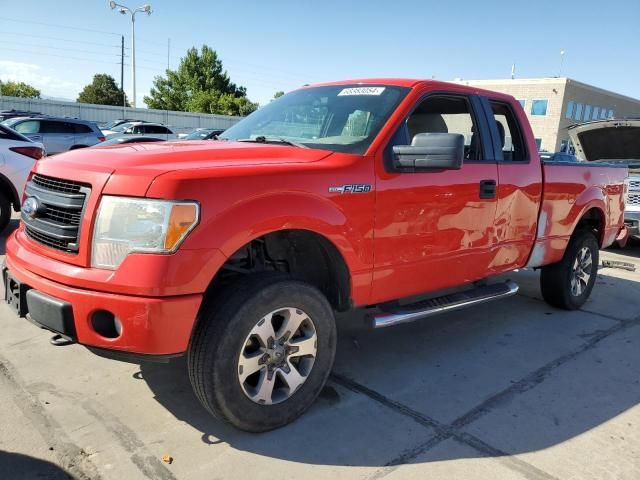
179 121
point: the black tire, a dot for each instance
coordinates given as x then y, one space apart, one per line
5 211
556 279
220 335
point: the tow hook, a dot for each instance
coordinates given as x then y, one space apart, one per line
59 341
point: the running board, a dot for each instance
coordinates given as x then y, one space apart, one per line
446 303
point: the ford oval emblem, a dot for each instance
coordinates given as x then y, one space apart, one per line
30 207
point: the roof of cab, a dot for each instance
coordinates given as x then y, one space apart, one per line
414 82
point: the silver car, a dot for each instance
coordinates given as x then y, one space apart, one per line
139 129
57 134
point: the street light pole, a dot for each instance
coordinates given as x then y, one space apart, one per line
561 62
146 8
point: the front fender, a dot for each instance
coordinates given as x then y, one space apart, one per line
350 232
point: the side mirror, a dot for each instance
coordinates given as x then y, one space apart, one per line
431 151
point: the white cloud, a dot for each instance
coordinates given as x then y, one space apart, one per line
36 76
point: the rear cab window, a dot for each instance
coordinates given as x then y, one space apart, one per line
510 146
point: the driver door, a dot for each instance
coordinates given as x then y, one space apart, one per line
434 228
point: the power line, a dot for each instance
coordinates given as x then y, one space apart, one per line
65 48
28 52
68 27
21 35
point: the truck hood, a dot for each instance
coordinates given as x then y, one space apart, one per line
138 164
607 140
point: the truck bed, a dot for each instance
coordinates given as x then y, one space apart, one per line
571 190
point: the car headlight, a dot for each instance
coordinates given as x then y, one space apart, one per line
126 225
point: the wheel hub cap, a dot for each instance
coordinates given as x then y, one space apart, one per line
581 272
277 356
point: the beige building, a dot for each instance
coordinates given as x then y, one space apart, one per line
553 104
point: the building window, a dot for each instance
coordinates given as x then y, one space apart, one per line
603 113
522 103
538 143
538 107
587 112
570 106
596 113
578 111
610 114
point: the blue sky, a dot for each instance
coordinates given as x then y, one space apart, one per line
280 44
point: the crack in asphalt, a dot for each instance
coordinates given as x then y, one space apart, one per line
454 429
71 457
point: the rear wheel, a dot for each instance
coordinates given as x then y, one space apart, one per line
568 283
262 351
5 211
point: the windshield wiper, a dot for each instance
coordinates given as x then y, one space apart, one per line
263 139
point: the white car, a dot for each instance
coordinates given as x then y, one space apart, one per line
17 156
138 129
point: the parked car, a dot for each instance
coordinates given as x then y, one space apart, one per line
238 252
126 140
144 128
17 156
13 113
118 126
58 134
557 157
204 134
614 141
118 121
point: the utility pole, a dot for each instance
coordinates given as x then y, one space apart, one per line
124 100
146 8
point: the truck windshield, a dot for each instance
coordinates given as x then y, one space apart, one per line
342 118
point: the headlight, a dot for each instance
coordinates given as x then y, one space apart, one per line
126 225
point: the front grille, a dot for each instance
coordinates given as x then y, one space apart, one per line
63 215
57 185
56 221
47 240
633 199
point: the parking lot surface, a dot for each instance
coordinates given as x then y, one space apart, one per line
509 390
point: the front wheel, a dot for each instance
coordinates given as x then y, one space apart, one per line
568 283
262 351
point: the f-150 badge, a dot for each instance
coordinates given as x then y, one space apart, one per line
351 188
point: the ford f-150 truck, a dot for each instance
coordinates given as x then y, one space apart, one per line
352 194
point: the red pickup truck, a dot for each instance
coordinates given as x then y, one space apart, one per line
238 251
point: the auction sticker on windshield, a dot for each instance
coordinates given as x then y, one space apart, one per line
361 91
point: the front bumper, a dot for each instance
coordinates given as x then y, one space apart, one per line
150 325
632 222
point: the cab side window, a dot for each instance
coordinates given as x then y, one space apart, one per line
447 114
510 137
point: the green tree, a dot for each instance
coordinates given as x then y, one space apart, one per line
103 90
200 84
18 89
278 94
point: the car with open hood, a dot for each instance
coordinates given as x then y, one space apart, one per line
614 141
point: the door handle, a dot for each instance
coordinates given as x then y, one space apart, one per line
488 189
